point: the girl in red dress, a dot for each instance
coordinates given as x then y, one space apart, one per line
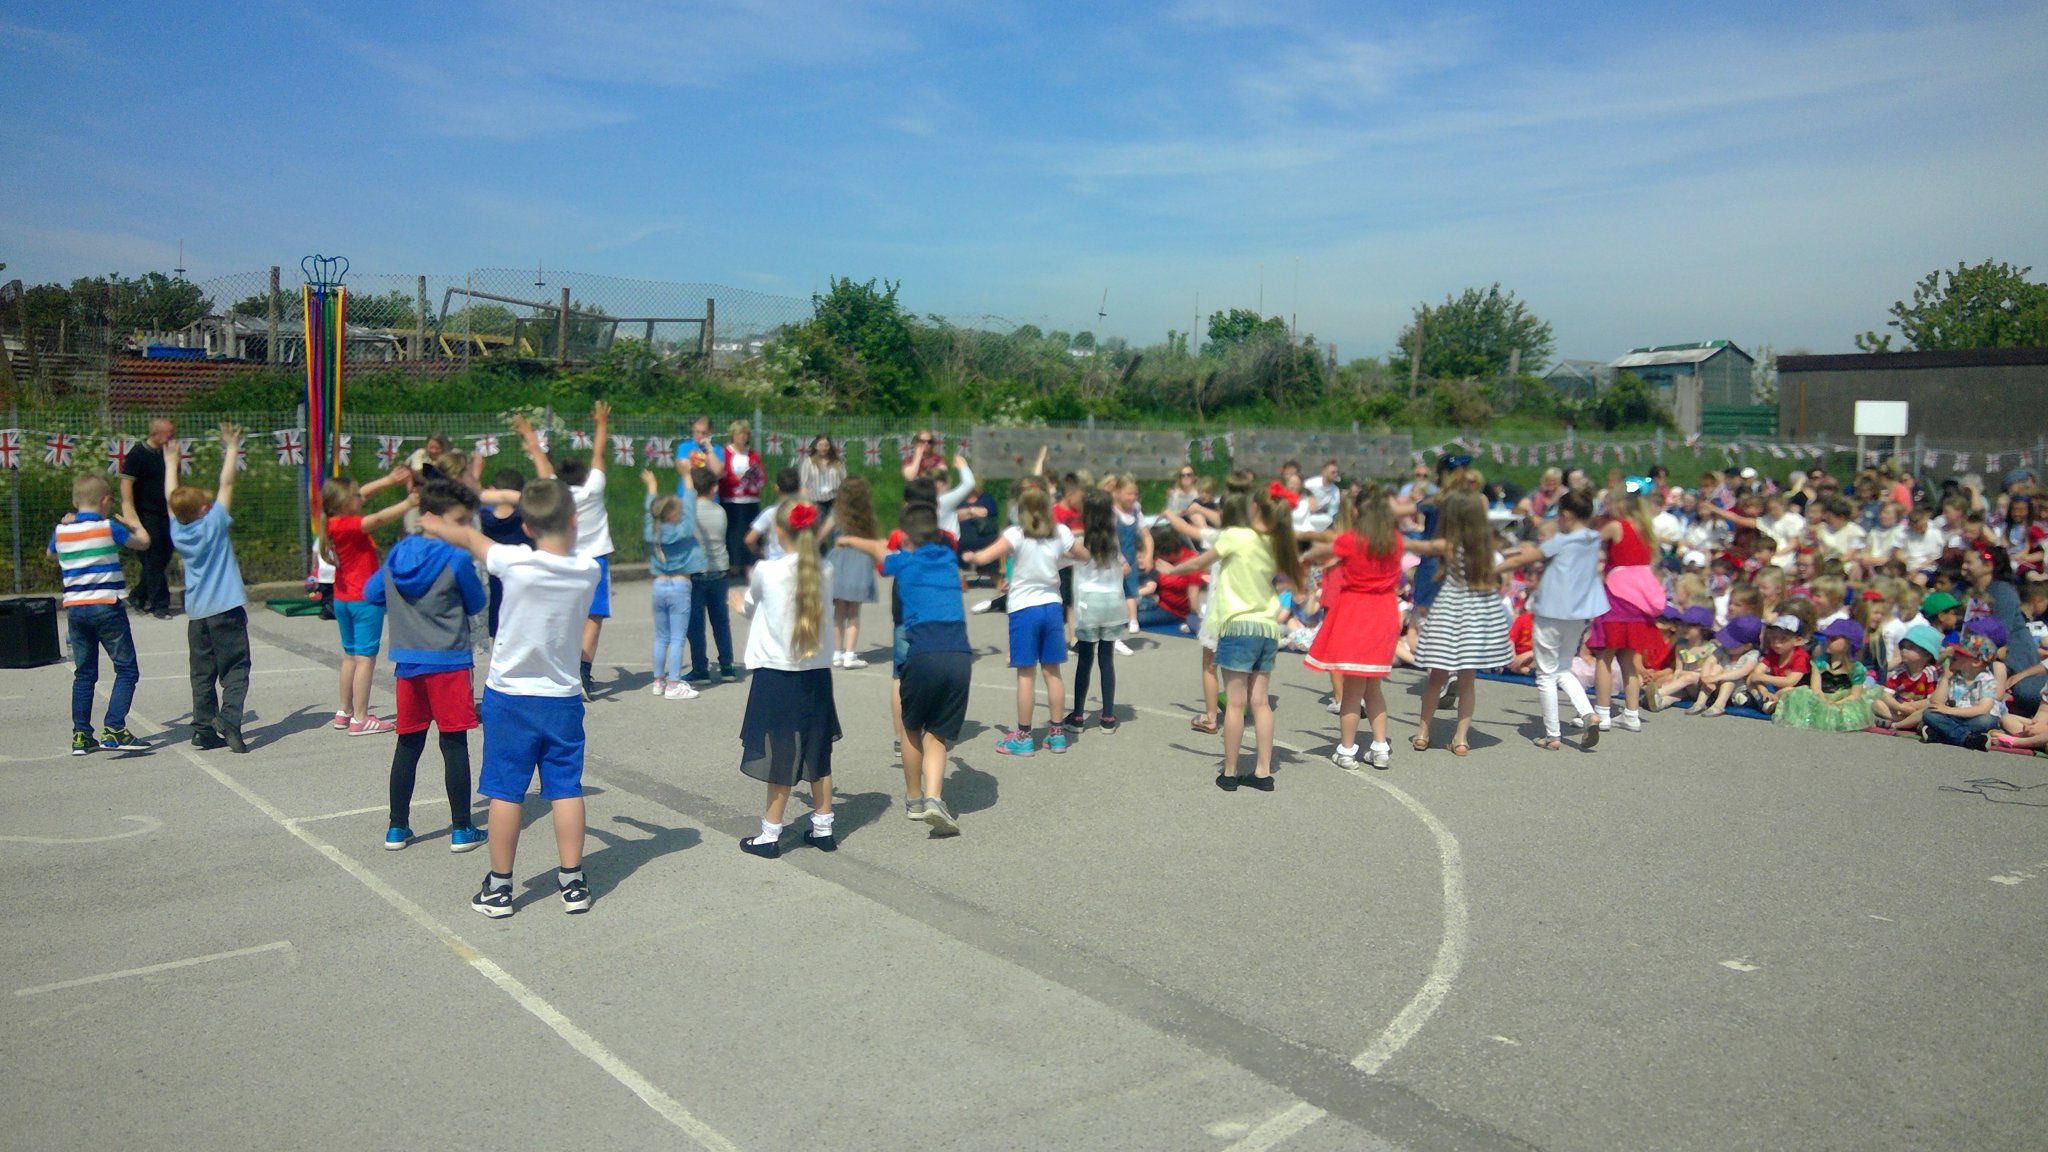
1627 632
1362 623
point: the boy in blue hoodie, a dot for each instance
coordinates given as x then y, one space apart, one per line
429 589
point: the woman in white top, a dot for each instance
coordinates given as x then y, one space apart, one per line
791 720
820 474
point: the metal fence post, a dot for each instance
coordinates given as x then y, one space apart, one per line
272 352
1660 445
419 323
758 431
305 499
562 329
14 497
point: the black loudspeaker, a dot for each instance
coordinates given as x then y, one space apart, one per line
28 632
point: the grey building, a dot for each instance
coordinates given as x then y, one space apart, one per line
1973 400
1687 377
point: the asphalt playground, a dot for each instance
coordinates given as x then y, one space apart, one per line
1708 935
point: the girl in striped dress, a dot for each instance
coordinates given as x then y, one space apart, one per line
1466 630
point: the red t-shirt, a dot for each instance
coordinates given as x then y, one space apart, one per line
355 556
1522 633
1174 591
1066 517
1793 661
1365 573
1909 687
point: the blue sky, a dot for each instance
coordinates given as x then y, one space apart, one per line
1639 173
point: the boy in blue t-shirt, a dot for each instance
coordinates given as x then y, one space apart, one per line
937 663
216 612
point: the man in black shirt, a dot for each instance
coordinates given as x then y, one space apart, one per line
142 491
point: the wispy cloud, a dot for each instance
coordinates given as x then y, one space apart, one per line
683 43
28 38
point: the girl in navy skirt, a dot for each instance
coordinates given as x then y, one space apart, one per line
791 720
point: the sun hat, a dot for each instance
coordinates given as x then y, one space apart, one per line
1748 473
1671 613
1848 630
1698 614
1925 638
1973 646
1786 622
1989 628
1739 630
1695 559
1936 603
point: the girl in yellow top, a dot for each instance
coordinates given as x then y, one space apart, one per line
1255 548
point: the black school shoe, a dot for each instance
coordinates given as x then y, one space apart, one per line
235 741
1226 782
1075 720
768 851
1108 722
1257 783
207 740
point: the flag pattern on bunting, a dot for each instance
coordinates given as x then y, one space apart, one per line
342 444
487 445
10 448
579 440
290 448
654 449
117 452
57 449
622 449
388 448
184 456
871 451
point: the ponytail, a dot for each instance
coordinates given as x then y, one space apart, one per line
809 610
1280 533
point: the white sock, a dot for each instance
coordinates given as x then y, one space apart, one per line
821 823
1134 626
1381 746
770 833
1604 712
1630 714
567 876
1347 750
499 881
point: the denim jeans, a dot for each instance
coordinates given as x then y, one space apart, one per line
707 601
1945 729
93 627
1151 615
671 624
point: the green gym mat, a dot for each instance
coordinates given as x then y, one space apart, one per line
293 606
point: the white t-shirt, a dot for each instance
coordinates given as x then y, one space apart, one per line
1035 563
1838 541
539 650
770 603
764 528
1920 549
1786 531
1880 542
593 525
1102 579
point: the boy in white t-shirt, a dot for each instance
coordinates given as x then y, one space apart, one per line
533 706
586 481
761 537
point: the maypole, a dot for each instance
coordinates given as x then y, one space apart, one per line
326 309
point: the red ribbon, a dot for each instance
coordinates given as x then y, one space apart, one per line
802 516
1279 491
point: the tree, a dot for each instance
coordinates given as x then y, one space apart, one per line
1475 335
1238 327
862 345
152 301
1988 305
1084 341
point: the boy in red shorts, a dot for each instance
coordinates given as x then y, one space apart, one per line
429 589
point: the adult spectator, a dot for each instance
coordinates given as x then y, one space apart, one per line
1543 501
820 473
428 455
924 458
1989 572
1324 493
142 493
739 493
1183 494
701 453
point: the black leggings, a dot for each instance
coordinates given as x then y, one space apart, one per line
405 763
1086 654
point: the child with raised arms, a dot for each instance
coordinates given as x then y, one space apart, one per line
791 720
1038 643
586 481
533 700
344 541
669 528
216 613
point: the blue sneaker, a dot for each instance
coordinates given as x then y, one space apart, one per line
1015 744
464 839
396 837
1056 739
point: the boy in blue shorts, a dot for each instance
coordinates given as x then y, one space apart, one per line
428 591
937 663
586 481
87 547
533 698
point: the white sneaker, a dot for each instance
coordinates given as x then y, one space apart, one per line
1379 755
1123 649
1133 627
839 659
679 691
982 607
1347 763
1334 706
1607 723
660 686
1628 723
854 661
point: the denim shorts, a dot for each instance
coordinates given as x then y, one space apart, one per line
1246 652
361 624
1038 635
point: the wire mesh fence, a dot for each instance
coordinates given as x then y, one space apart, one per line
43 450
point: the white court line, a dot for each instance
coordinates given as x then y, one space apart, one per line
1450 953
297 820
1278 1128
152 969
252 672
148 824
583 1042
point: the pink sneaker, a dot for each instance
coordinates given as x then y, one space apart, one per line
341 720
368 726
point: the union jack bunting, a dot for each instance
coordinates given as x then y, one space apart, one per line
341 447
1962 461
184 455
487 446
10 448
772 444
579 439
117 452
654 449
622 449
871 451
1991 461
290 449
57 449
388 448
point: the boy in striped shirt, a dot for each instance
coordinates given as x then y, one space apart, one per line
87 547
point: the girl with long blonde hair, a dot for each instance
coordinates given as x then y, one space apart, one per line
1466 631
791 719
1361 623
853 574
